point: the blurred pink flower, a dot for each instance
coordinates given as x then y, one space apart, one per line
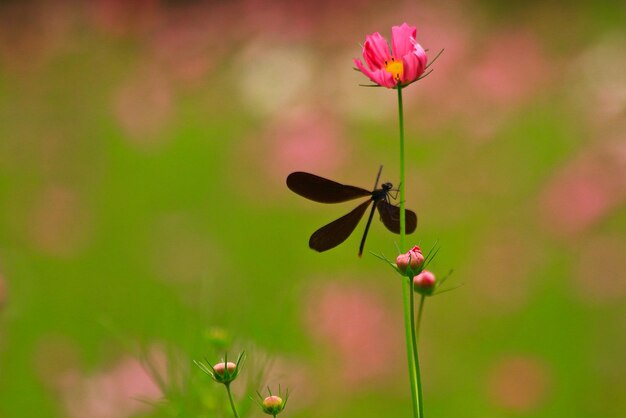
402 66
143 107
294 65
491 82
32 32
292 373
502 269
306 139
510 69
359 327
119 392
519 384
294 20
193 39
600 93
124 17
182 50
583 192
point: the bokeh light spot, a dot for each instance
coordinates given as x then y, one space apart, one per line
355 323
519 384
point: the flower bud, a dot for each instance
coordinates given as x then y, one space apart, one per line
220 368
424 282
273 405
410 261
224 372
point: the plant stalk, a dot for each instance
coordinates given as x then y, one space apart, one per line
232 402
419 317
407 285
413 328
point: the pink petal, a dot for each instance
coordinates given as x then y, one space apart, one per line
380 77
402 39
383 78
376 51
414 65
411 69
421 56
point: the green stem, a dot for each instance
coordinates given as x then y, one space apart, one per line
232 402
410 348
402 194
419 316
413 329
407 286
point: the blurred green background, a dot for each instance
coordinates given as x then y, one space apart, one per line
143 151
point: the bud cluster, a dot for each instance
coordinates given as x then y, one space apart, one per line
226 372
411 264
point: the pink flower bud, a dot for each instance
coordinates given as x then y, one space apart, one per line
221 367
424 282
272 405
223 372
410 261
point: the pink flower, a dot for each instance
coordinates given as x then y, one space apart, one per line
424 282
402 66
410 261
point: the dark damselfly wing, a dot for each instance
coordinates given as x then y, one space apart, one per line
336 232
322 190
390 215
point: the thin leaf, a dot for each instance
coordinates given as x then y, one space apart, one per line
382 257
434 59
446 277
431 254
448 289
425 75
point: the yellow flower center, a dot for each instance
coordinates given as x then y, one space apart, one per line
395 68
